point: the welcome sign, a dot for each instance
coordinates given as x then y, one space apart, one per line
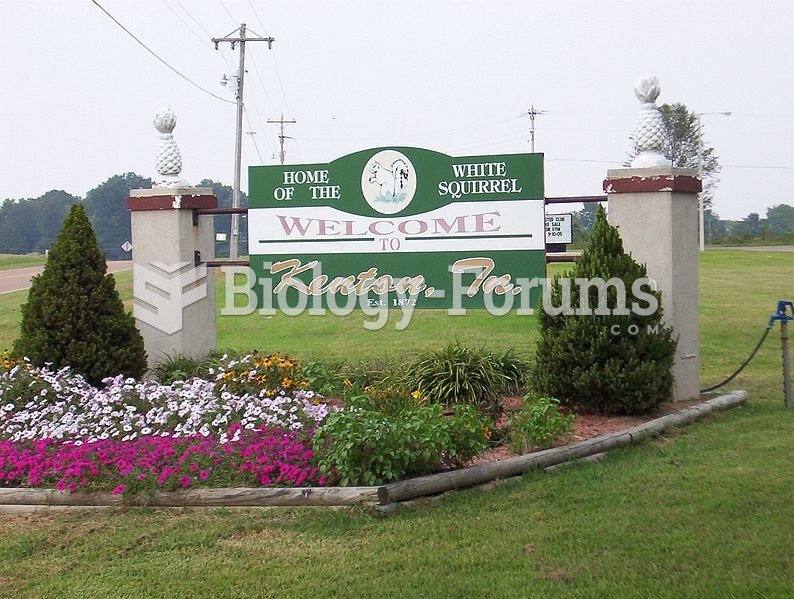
395 227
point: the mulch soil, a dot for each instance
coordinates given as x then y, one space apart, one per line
586 426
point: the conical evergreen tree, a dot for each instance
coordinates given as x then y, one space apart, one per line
610 363
74 316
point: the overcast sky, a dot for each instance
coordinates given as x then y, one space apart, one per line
79 93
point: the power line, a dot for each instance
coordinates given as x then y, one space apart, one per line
251 132
188 27
780 168
439 133
203 41
188 13
227 11
275 62
583 160
261 81
153 53
260 119
262 84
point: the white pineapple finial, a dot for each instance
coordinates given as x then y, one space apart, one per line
167 158
648 136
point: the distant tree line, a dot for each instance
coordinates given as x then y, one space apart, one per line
31 225
776 228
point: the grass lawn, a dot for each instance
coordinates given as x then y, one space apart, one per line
21 260
704 511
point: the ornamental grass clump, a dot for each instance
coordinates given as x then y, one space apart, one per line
456 374
610 363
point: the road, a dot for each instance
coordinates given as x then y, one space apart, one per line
17 279
756 248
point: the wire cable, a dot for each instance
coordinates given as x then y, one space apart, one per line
228 12
745 363
275 63
777 168
188 27
203 41
253 133
153 53
188 13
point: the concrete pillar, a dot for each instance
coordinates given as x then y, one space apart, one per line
656 212
173 293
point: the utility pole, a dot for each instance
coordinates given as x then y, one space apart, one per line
533 112
281 136
701 195
239 39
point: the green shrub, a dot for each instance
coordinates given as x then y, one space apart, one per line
538 424
360 446
74 316
326 378
581 361
456 374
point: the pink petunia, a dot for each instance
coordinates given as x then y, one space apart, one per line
185 481
119 490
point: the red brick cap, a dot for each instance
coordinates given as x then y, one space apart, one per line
166 202
684 183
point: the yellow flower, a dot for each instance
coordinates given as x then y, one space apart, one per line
417 395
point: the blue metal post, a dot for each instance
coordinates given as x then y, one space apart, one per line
783 316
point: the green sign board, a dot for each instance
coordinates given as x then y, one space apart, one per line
396 227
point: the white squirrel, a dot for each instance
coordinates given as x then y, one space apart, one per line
391 181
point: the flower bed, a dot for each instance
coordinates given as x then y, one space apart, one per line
57 430
262 457
254 423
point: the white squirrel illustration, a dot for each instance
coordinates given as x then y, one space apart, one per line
390 180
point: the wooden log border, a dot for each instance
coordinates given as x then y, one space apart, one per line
36 500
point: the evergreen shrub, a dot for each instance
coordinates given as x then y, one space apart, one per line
614 364
74 315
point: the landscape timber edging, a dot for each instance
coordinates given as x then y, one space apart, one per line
36 500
